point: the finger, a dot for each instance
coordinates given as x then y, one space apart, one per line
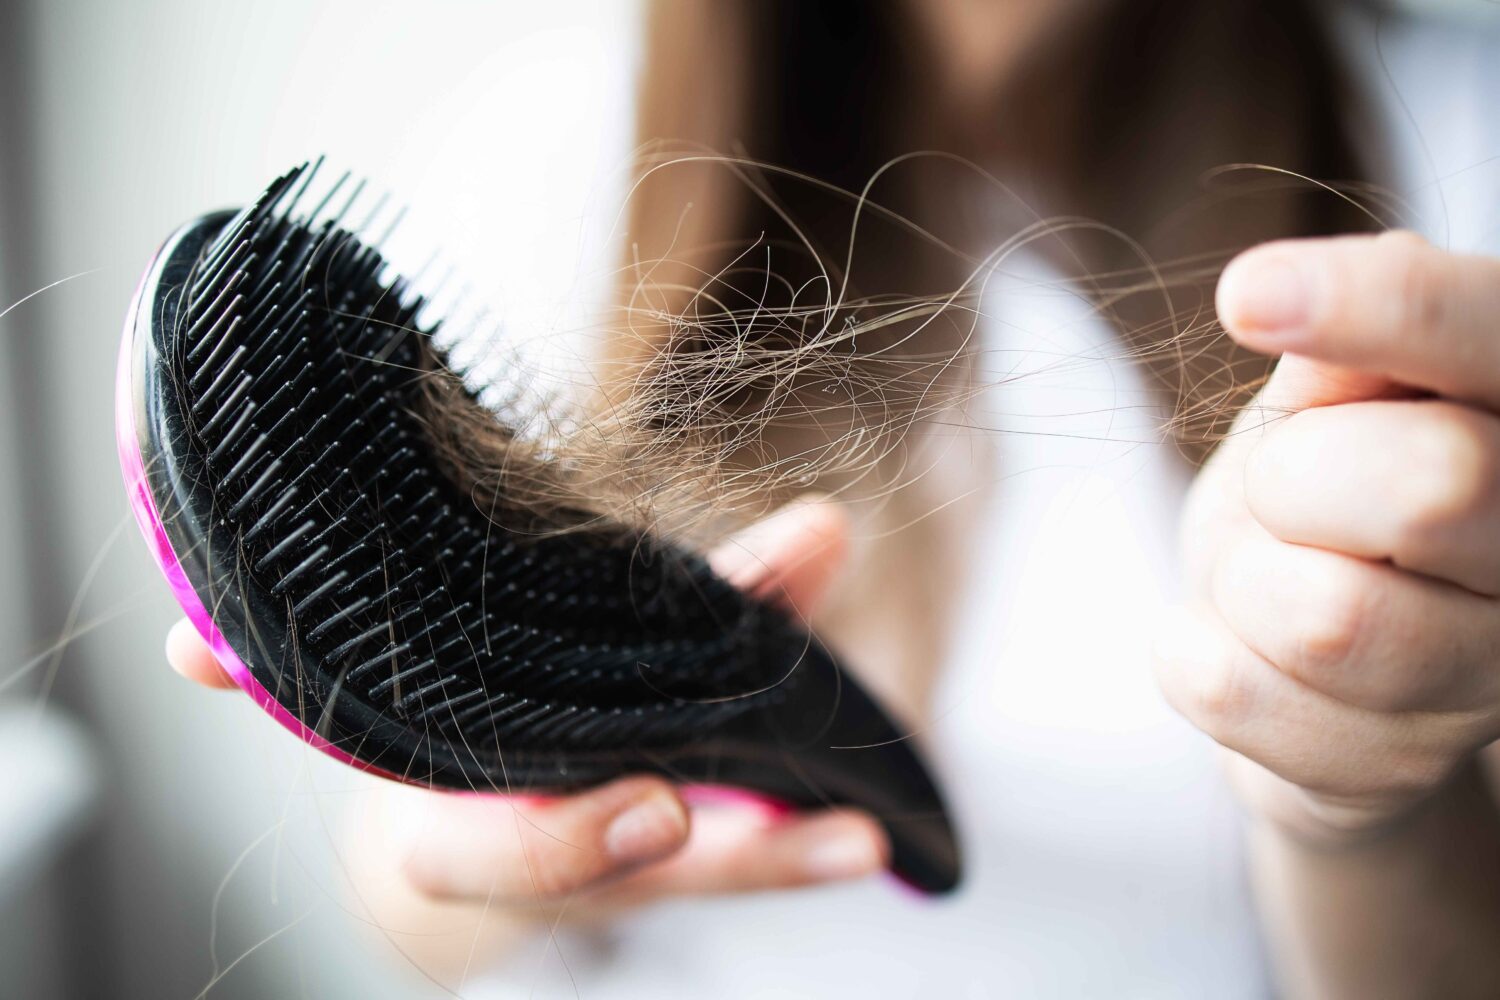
1300 383
1362 633
1216 509
1327 747
190 656
730 853
1391 305
791 557
1414 482
510 851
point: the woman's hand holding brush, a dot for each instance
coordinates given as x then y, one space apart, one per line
471 858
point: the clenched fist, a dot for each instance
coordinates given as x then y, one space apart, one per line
1343 546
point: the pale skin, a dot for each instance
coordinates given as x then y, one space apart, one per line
1342 644
1343 641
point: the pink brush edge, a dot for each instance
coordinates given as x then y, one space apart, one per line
132 466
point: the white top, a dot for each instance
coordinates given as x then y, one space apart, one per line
1103 852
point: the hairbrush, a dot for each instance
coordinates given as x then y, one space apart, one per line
268 431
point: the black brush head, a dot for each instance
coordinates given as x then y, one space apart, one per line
280 378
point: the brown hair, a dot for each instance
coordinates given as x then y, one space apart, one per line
1173 92
784 328
827 93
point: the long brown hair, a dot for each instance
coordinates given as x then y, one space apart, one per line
798 301
1132 115
1172 93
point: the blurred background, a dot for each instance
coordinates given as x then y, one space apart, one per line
157 840
162 841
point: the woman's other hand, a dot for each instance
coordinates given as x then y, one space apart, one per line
1343 546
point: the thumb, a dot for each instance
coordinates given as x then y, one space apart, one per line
190 656
1252 298
791 558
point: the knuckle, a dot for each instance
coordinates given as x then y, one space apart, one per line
1405 262
1454 473
1402 243
1329 639
1223 696
541 873
428 881
556 877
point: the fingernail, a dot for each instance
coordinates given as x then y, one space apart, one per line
1265 295
732 560
646 830
846 856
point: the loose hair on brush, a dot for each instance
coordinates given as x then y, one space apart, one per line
426 574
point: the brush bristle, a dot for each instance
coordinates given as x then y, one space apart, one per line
299 363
